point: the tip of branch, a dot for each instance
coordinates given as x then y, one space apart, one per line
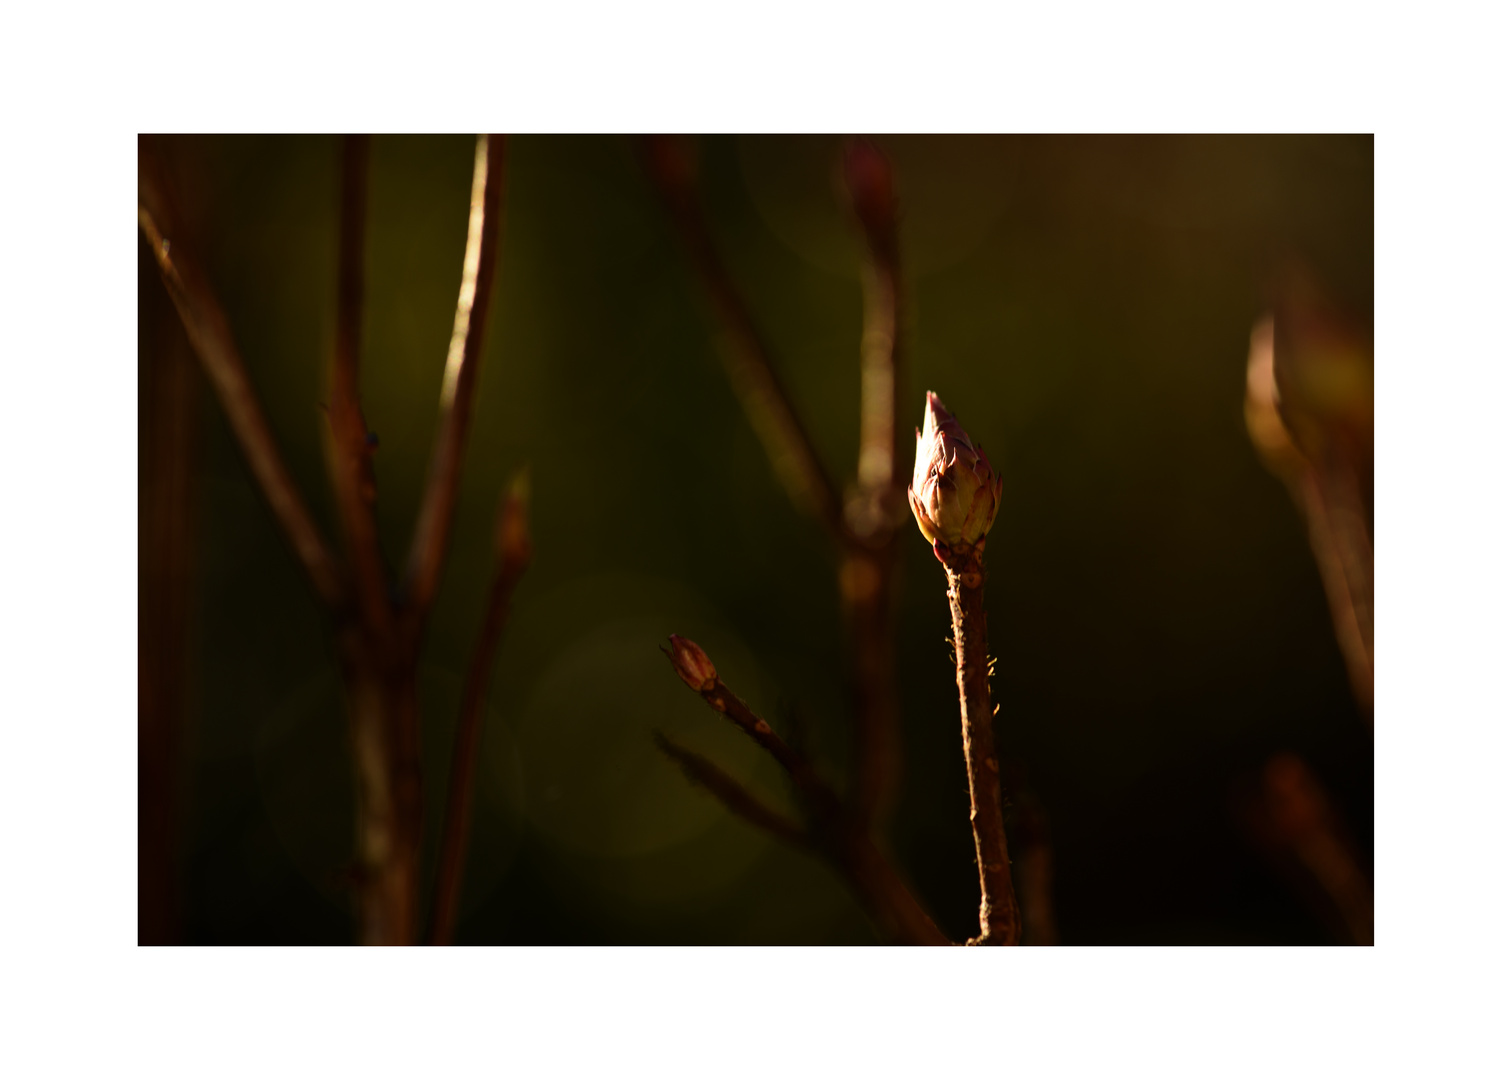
692 664
869 180
512 533
672 161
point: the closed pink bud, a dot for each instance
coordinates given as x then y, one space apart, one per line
692 664
955 494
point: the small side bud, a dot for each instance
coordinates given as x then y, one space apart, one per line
512 531
692 664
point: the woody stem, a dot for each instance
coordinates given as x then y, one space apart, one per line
966 583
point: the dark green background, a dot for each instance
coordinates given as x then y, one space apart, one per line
1084 305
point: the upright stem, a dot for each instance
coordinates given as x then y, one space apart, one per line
349 451
867 602
387 858
165 540
875 509
459 382
999 912
465 754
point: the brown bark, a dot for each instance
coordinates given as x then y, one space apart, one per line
378 652
967 581
459 382
747 360
830 828
465 753
210 335
165 539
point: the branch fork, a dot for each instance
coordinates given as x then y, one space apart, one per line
378 637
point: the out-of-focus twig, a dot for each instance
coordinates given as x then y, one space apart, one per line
879 475
740 802
512 556
1294 821
747 359
830 830
865 528
1033 858
379 666
1319 454
349 447
433 524
165 541
210 337
874 510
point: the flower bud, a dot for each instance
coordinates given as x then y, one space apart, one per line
691 664
954 494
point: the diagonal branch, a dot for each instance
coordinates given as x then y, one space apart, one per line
210 335
832 831
747 361
349 450
724 787
1292 818
513 551
1328 498
433 524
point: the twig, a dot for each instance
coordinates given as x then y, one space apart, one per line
378 666
349 447
210 336
513 552
747 360
1294 820
438 502
966 583
878 471
1327 496
1033 861
831 831
169 408
875 509
740 802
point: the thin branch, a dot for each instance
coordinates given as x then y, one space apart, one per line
879 471
433 524
966 580
817 795
166 498
837 835
349 449
724 787
1327 496
747 360
868 576
210 335
1034 859
1294 821
513 557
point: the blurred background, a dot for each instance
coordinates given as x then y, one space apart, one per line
1085 307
